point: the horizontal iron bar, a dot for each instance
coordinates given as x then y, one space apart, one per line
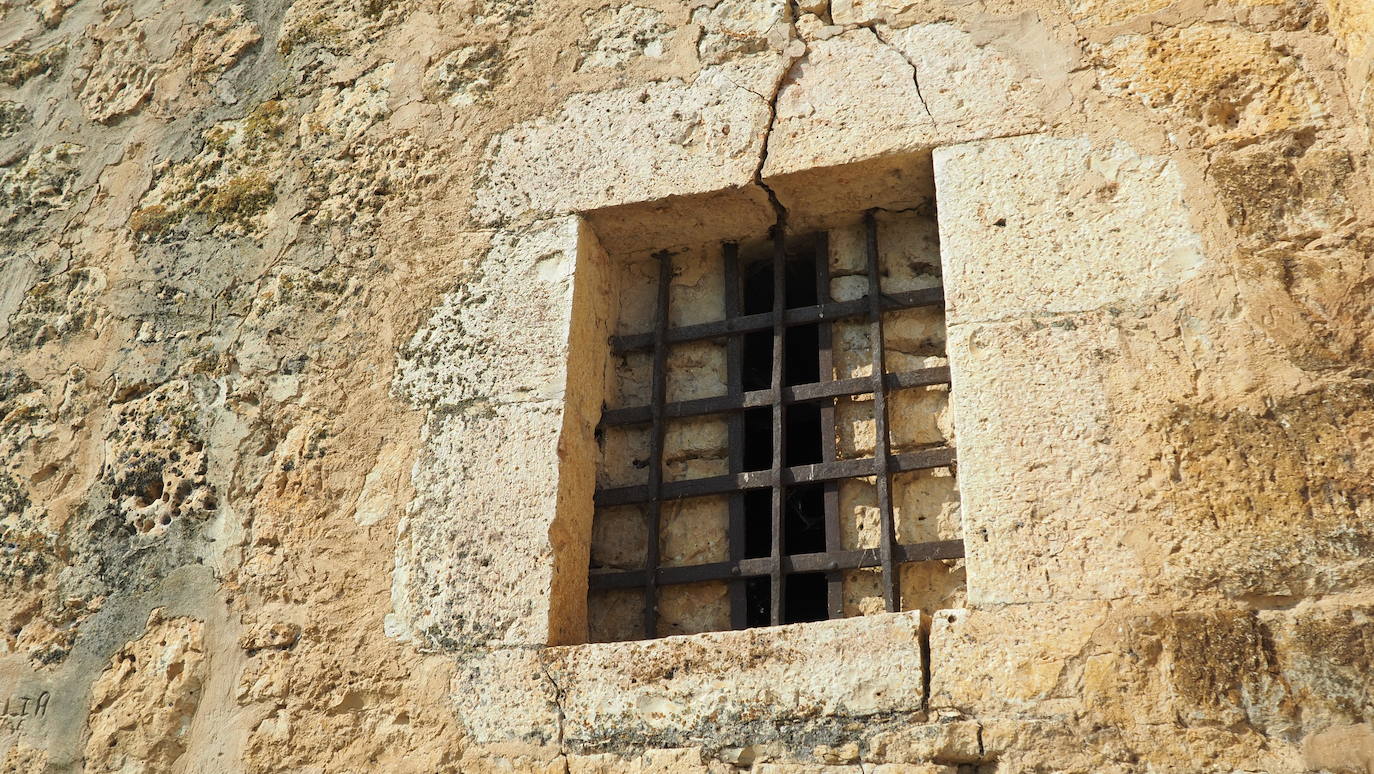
800 393
762 479
764 320
751 568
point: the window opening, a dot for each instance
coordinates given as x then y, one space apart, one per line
786 557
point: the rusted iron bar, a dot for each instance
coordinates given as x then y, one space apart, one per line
779 421
939 457
881 452
827 561
657 398
734 381
830 495
763 321
800 393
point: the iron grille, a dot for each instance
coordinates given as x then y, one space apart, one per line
778 565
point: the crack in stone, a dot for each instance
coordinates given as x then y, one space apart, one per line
779 211
558 705
915 73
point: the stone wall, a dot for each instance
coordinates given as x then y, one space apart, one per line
300 308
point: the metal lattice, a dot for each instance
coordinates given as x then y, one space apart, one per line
778 565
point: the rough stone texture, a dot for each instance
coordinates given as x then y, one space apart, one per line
302 279
141 707
734 689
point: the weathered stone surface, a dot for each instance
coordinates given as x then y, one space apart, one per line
730 688
1035 225
142 705
927 85
707 135
233 233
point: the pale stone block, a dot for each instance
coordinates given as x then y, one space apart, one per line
619 538
740 687
615 615
1009 659
931 585
692 608
631 145
694 531
624 456
695 370
947 741
863 593
851 82
504 697
925 505
1035 224
858 513
479 527
972 89
503 335
843 87
1045 504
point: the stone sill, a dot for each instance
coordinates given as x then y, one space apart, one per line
796 682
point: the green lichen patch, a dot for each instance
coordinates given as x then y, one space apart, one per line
13 117
226 183
266 122
316 29
57 308
18 64
240 200
152 221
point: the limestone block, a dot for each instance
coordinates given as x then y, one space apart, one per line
739 687
932 585
1009 659
479 527
1283 673
947 742
926 85
503 335
736 28
1045 504
925 505
1214 82
465 75
619 538
694 531
691 608
615 616
696 370
1030 225
624 456
1326 655
505 696
970 88
697 291
628 145
842 87
694 447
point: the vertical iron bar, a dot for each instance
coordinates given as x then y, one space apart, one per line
779 426
734 379
881 452
834 579
658 390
